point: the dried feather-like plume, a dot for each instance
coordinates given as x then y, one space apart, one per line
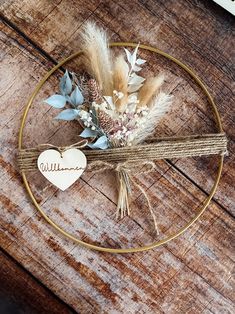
159 105
149 89
120 83
97 56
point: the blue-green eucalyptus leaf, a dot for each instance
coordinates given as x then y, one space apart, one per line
68 114
56 101
88 133
76 97
65 84
101 143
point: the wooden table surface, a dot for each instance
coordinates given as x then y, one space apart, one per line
49 273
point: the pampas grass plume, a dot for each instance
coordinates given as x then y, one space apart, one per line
120 82
149 89
97 56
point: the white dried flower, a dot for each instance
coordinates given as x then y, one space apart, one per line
84 114
132 98
120 95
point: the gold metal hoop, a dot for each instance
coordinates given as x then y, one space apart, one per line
155 244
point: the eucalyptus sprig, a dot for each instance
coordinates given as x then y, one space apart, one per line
71 96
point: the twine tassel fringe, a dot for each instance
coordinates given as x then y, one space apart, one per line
123 208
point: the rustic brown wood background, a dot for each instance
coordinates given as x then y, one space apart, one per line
192 274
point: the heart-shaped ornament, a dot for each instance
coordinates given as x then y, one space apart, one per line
62 169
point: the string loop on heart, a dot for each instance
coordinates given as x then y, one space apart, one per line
62 149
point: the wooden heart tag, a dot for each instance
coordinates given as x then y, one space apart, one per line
62 169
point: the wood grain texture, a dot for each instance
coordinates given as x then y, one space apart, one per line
192 274
20 293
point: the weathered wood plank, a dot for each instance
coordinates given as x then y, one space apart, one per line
192 273
21 292
91 281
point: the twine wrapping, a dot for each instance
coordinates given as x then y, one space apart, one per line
158 148
126 161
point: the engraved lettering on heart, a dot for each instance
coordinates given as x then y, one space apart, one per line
62 169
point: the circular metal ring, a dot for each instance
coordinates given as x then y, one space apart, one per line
168 238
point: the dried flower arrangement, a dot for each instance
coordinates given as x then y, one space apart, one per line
115 106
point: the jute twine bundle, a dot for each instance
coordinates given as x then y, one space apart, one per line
131 157
126 161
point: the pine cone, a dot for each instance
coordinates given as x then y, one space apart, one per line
105 121
94 91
